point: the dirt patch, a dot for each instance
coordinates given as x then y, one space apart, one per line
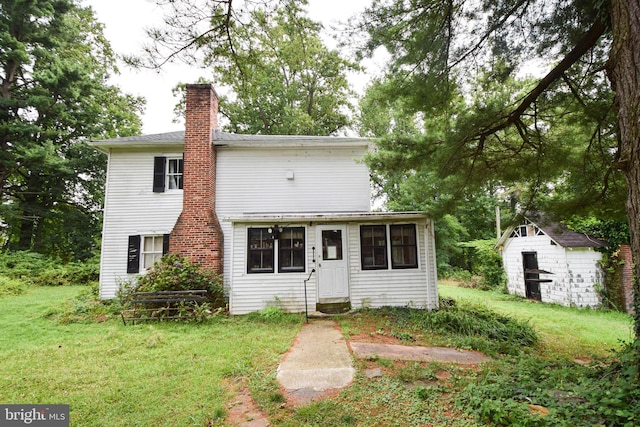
243 410
305 396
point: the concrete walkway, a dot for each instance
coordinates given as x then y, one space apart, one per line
318 360
319 363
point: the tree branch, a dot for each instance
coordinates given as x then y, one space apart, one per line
587 42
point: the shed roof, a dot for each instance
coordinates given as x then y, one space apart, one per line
557 232
569 238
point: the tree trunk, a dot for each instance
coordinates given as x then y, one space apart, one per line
624 73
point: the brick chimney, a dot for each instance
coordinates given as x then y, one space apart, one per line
197 234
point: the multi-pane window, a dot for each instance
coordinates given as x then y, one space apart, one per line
260 253
404 252
291 249
373 242
167 173
268 246
376 249
152 250
175 169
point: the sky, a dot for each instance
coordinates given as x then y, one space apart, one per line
125 22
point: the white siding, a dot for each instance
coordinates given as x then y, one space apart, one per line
248 180
415 287
255 181
132 208
584 275
576 271
258 180
324 180
256 291
368 288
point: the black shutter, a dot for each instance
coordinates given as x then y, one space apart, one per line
165 243
159 171
133 255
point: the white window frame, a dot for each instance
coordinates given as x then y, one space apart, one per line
154 252
170 175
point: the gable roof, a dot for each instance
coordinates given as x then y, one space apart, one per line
223 139
557 232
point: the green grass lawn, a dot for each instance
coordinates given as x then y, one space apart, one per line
567 331
176 374
158 374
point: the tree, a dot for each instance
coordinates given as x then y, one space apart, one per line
285 81
553 134
281 78
55 64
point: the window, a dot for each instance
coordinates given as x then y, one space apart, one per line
144 251
167 173
404 251
373 243
376 249
260 252
291 249
520 231
152 250
332 245
174 174
266 244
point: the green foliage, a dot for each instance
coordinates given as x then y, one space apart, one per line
39 270
55 63
469 326
283 80
605 393
473 127
274 314
10 286
486 262
86 306
614 232
176 273
24 264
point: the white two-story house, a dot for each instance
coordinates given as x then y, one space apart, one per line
285 219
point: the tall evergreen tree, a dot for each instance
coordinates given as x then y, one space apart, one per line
54 95
566 137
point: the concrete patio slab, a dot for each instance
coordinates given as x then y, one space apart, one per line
429 354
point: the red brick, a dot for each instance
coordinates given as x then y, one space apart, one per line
197 233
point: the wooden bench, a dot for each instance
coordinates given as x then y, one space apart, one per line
164 305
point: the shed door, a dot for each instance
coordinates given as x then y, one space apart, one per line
333 274
531 280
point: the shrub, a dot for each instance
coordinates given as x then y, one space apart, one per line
487 263
10 286
604 394
469 326
176 273
37 269
84 307
24 264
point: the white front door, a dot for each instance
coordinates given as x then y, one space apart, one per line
333 273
